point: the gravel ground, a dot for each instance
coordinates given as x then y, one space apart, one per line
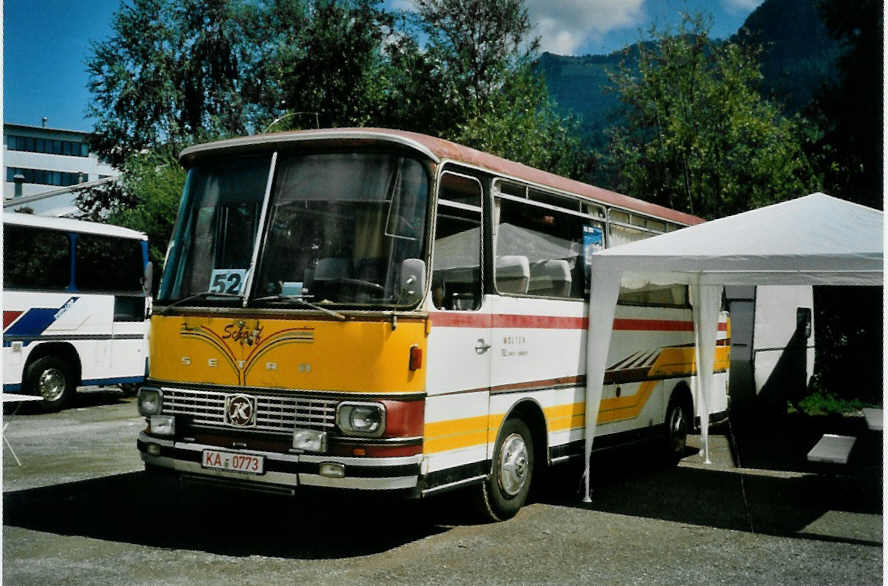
80 511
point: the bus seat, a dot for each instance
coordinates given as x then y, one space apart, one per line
550 277
332 268
372 269
512 274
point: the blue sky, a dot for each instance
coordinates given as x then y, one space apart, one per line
46 43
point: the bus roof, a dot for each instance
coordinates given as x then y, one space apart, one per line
443 150
69 225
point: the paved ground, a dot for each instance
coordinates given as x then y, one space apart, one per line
80 511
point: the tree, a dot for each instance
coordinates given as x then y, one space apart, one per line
170 73
476 83
697 136
476 44
323 62
520 122
849 111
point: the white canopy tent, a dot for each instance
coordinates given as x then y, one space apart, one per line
812 240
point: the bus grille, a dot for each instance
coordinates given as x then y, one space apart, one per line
274 414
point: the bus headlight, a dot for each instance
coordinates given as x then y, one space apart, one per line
162 424
363 419
150 401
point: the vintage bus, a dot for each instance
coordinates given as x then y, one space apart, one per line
74 306
380 310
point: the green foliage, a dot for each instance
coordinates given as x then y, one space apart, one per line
521 123
476 44
698 137
826 403
849 111
323 59
174 73
155 183
171 73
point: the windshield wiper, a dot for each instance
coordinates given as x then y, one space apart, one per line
301 301
204 295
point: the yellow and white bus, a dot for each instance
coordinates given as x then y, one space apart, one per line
381 310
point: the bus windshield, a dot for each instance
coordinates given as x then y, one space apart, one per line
339 226
213 242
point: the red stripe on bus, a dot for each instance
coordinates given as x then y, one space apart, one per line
461 320
658 325
551 322
9 317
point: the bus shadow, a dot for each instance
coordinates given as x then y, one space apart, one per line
83 398
134 508
734 499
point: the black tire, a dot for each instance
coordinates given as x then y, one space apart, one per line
129 389
53 379
505 490
678 426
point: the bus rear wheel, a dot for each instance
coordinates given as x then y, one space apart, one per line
678 425
505 490
51 378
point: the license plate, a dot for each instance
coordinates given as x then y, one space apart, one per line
231 462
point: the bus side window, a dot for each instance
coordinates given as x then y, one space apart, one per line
548 242
107 264
34 258
456 269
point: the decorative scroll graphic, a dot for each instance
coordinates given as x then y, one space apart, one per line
241 343
238 331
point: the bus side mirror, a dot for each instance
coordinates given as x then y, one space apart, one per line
413 273
803 320
148 279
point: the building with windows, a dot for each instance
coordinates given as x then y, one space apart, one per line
41 164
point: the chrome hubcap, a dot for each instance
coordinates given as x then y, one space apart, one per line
51 384
678 431
513 470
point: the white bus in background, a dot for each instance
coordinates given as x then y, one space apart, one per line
74 306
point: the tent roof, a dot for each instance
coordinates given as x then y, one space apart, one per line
816 239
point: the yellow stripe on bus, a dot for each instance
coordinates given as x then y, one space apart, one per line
569 416
453 434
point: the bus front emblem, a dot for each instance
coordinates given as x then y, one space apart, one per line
240 410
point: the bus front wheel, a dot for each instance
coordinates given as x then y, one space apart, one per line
51 378
506 489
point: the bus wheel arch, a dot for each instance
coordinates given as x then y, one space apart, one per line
519 449
678 422
53 371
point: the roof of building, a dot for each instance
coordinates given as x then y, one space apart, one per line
443 150
33 128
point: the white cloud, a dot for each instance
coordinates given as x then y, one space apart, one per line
741 5
563 26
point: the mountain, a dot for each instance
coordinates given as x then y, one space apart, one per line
798 55
797 58
578 85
